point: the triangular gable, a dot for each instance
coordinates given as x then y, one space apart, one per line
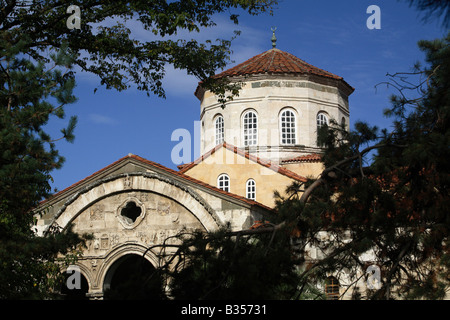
242 153
133 163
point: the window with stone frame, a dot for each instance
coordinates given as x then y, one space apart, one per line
250 126
131 212
322 120
287 127
219 130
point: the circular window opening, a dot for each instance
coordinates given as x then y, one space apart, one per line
130 212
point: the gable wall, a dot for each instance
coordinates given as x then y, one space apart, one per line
306 169
168 206
240 169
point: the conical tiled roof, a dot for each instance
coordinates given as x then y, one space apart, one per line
275 61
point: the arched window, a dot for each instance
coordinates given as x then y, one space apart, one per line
287 127
250 127
322 120
250 188
343 123
223 182
220 133
332 288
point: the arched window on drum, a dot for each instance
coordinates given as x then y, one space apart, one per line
322 120
250 128
219 127
288 134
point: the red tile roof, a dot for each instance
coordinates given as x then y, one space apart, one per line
275 61
314 157
163 168
266 163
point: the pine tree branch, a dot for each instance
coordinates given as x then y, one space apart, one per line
4 12
6 72
392 271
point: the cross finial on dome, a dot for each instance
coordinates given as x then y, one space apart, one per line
274 38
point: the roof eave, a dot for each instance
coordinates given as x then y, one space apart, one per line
340 83
74 188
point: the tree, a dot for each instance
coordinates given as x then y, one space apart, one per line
37 55
223 265
111 51
28 268
433 8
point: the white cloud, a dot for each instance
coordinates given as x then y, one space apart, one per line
101 119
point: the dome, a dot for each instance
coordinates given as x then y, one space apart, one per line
282 102
278 63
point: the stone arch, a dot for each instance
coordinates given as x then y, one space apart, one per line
290 107
138 181
325 113
120 252
85 271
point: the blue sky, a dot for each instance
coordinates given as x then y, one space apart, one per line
329 34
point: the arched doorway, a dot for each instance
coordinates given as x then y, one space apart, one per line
132 277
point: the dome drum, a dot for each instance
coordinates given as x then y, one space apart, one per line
271 82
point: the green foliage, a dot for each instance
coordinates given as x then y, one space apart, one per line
221 265
105 46
29 91
30 267
28 155
434 9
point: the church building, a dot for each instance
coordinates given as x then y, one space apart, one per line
265 138
262 141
